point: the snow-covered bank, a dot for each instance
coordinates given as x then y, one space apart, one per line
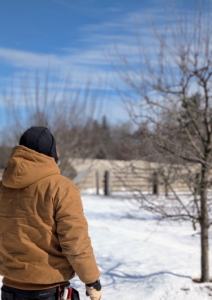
142 256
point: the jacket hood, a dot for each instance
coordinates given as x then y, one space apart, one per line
26 166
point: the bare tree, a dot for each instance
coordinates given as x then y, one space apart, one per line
171 90
69 112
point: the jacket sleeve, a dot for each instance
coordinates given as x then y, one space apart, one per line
72 230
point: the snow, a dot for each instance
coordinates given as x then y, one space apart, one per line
140 255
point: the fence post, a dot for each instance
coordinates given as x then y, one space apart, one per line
197 184
166 189
97 182
155 183
107 183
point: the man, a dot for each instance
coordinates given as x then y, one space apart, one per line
43 232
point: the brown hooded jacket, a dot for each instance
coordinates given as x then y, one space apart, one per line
43 232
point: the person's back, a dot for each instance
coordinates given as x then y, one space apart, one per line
43 231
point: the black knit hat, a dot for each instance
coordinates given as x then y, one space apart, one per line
41 140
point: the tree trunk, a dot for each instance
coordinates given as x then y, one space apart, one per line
204 227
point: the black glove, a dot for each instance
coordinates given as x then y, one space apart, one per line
94 290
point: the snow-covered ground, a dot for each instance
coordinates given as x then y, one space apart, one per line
141 256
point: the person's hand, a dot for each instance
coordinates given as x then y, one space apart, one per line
94 290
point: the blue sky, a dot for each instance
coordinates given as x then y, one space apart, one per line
54 26
78 38
38 33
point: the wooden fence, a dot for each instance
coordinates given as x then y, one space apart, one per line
105 177
146 180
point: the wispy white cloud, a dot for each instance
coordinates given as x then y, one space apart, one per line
18 58
103 45
97 38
